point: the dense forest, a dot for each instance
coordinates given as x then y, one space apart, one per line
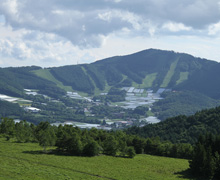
182 103
182 129
206 157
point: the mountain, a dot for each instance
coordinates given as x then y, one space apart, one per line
147 69
150 68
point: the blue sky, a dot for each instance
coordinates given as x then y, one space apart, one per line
51 33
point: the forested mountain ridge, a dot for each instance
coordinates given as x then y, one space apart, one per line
182 129
147 69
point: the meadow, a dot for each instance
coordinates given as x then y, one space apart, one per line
27 161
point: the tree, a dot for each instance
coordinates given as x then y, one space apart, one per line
198 159
204 161
91 148
110 146
7 127
138 144
122 147
75 146
24 132
131 152
141 110
217 170
210 166
45 135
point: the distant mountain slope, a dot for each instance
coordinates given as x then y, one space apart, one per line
182 102
173 70
13 81
205 80
146 69
182 128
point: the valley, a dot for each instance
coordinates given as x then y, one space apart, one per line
134 97
71 93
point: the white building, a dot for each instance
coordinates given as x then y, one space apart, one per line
32 109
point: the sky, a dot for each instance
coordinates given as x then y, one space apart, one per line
51 33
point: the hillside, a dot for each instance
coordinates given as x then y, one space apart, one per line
182 129
148 69
13 81
26 161
182 103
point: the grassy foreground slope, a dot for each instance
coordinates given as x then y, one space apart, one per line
25 161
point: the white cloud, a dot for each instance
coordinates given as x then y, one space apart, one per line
34 47
176 27
69 19
54 32
214 29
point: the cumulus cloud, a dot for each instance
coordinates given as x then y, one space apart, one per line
214 29
82 22
58 30
29 47
176 27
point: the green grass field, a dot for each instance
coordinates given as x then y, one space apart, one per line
169 74
147 81
183 77
26 161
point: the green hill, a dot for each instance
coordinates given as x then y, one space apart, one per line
150 68
26 161
182 129
13 81
182 103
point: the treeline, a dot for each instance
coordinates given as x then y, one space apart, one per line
182 103
74 141
206 157
13 81
182 129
